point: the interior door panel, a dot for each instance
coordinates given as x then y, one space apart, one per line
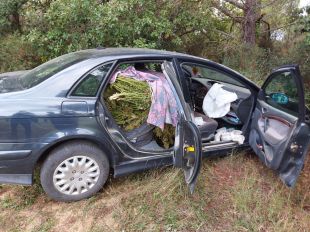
273 130
279 133
274 125
270 134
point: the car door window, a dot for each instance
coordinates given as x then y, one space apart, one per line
282 93
89 86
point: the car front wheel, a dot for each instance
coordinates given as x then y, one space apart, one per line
74 171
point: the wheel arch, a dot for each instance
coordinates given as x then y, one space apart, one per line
103 144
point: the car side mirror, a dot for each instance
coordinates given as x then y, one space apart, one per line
279 98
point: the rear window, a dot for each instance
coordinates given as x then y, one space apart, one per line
48 69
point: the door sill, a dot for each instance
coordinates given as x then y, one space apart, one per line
128 167
214 146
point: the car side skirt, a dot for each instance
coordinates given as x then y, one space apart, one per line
128 167
22 179
132 166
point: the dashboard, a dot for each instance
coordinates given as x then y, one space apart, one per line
241 108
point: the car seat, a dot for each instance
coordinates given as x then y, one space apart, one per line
208 127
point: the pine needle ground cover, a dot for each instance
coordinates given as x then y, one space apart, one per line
129 102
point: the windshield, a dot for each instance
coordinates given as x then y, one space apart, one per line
48 69
205 72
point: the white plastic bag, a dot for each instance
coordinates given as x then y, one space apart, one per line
216 103
224 134
198 121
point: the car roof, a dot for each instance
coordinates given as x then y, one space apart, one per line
115 52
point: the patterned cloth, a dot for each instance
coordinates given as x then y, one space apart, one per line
163 107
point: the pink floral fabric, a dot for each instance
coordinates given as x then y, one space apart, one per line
163 108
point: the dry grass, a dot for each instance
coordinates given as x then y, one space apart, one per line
235 193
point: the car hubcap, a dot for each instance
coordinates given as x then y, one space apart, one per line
76 175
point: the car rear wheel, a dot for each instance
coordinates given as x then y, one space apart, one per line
74 171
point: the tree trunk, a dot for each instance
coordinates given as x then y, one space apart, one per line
15 21
249 22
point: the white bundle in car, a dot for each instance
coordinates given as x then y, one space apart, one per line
224 134
216 103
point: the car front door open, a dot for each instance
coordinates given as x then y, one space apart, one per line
279 130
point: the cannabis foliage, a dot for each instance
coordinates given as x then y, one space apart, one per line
129 102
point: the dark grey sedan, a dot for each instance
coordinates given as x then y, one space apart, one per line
55 117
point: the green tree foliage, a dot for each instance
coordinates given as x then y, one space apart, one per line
10 15
16 54
70 25
44 29
304 25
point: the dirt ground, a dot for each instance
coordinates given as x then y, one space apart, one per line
234 193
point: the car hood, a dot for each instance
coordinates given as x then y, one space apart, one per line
10 81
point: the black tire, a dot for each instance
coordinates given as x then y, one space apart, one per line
67 151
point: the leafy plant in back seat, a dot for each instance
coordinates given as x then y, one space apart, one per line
129 102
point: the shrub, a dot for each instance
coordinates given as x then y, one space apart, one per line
16 54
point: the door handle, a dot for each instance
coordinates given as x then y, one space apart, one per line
265 124
264 110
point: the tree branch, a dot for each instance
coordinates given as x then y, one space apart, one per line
236 4
281 27
268 27
226 12
187 32
267 4
225 33
260 17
